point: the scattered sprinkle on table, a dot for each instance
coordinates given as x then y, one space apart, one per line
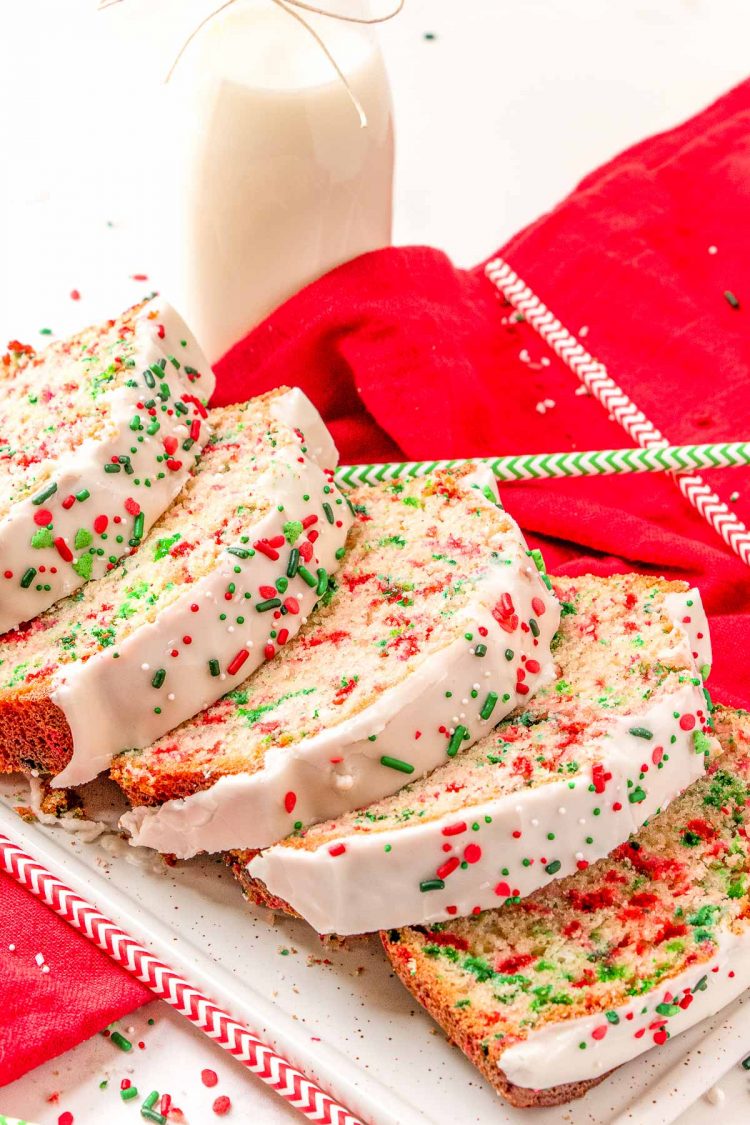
209 1077
731 299
222 1105
75 295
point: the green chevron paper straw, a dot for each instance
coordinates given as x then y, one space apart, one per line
551 466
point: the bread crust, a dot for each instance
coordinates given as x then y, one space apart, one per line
439 1003
34 735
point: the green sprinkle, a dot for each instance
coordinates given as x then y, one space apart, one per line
306 576
489 705
746 1063
340 552
701 742
110 468
554 867
640 732
140 519
129 1094
455 741
152 1115
293 564
396 764
533 625
269 603
432 885
328 511
240 552
50 490
637 796
480 650
150 1100
612 1017
731 299
158 677
82 495
322 584
120 1041
28 577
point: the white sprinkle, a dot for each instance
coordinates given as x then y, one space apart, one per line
581 390
464 703
535 823
715 1096
581 819
579 855
230 628
145 667
343 781
524 356
170 696
39 958
561 811
12 947
713 249
584 331
545 361
45 968
475 687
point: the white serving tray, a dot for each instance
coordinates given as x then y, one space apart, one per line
338 1013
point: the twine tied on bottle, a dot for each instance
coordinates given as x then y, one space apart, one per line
290 6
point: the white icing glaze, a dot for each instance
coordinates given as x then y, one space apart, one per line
156 338
248 810
96 695
553 1054
367 888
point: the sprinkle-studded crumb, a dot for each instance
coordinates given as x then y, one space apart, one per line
605 941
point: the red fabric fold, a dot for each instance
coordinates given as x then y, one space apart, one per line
408 357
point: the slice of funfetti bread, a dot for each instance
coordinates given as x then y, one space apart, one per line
99 429
547 995
622 730
441 625
219 585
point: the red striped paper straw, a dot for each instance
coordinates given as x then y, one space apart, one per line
599 383
272 1069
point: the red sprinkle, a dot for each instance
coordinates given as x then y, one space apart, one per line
100 524
42 518
455 829
448 867
238 661
75 295
132 507
472 853
68 502
266 549
63 549
65 1118
687 722
337 849
209 1078
538 606
290 800
269 651
222 1105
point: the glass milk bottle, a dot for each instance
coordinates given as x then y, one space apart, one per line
273 178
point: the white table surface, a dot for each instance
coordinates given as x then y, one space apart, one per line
497 116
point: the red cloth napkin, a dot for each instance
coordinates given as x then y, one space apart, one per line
408 357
